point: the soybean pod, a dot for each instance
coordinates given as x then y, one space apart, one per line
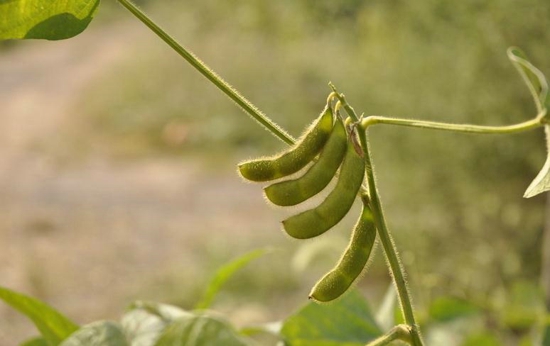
292 192
297 157
353 261
336 205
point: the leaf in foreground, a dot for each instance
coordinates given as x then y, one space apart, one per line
53 326
101 333
45 19
200 330
345 322
145 322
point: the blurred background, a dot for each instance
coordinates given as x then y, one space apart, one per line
118 160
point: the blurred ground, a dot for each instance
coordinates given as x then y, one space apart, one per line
92 235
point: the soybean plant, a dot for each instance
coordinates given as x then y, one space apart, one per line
336 153
355 176
335 148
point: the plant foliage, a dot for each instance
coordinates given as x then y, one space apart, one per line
45 19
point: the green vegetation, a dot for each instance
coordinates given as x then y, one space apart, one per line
472 246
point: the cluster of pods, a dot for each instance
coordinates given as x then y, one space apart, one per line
325 151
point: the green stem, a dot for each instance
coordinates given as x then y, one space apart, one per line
396 269
524 126
390 250
385 237
399 332
200 66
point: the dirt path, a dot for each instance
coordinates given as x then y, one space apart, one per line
91 237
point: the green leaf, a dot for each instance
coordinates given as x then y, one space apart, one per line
38 341
538 87
346 322
145 322
532 76
101 333
45 19
445 309
200 330
541 183
224 273
53 326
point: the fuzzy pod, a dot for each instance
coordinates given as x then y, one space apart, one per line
294 159
316 221
337 281
292 192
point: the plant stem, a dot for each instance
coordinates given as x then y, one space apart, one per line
396 269
200 66
524 126
399 332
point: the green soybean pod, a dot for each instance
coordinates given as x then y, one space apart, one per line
320 219
292 192
297 157
337 281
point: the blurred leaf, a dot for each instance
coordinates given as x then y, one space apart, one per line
385 316
38 341
144 322
266 334
53 326
532 76
445 309
311 253
524 306
481 339
268 331
101 333
200 330
45 19
345 322
224 273
546 335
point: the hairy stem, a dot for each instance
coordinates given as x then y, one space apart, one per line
390 250
399 332
396 269
200 66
